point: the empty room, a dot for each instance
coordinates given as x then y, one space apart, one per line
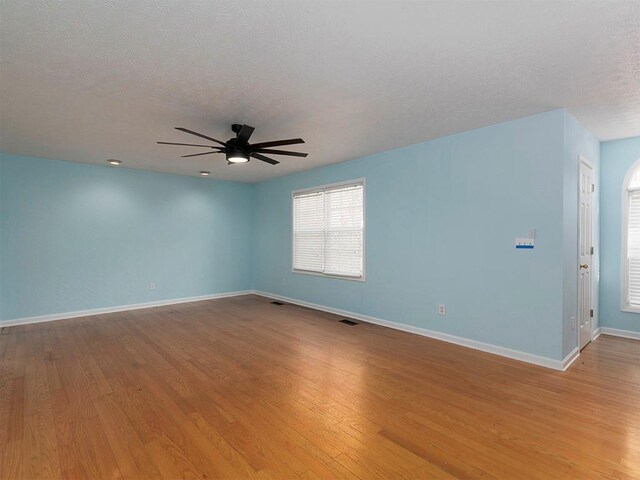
280 240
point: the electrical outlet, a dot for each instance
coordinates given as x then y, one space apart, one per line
152 285
284 282
442 310
573 323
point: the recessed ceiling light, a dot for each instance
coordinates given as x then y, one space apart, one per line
113 161
204 173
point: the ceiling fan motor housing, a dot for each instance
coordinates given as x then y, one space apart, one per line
236 152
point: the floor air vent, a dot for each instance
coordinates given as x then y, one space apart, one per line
348 322
276 303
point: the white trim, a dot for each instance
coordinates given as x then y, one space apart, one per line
624 283
318 188
616 332
596 333
569 359
561 365
329 275
119 308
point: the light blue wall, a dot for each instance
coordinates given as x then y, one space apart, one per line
577 142
76 236
617 158
441 221
442 217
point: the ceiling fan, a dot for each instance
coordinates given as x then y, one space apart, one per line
238 149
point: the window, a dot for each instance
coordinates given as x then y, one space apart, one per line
631 241
328 230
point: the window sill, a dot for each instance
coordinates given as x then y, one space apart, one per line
326 275
630 309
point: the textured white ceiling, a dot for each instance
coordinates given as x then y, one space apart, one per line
87 80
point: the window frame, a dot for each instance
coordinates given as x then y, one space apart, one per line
625 306
364 228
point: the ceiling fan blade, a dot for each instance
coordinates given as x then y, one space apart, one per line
244 134
276 143
281 152
187 144
197 154
186 130
265 159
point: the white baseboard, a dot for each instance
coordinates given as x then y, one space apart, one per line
596 333
119 308
569 359
620 333
465 342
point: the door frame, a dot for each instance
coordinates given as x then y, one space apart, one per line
582 159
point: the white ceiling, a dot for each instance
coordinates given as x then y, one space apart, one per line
87 80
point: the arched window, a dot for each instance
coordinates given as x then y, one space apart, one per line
631 240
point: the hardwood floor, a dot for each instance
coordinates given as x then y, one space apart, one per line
240 388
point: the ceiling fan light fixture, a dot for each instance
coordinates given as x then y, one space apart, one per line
237 157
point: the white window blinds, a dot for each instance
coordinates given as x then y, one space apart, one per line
633 248
328 230
308 231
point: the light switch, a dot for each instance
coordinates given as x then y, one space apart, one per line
524 243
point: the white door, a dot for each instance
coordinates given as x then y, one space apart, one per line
585 252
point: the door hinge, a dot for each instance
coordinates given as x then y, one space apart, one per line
591 250
591 313
593 187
